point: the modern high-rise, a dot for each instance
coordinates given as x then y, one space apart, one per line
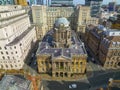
62 2
17 36
7 2
112 6
95 6
31 2
40 2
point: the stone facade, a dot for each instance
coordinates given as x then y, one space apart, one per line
109 52
39 18
104 45
83 19
45 20
61 66
61 56
78 16
17 37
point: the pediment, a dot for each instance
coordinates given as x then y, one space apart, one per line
61 58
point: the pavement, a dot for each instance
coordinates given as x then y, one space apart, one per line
75 78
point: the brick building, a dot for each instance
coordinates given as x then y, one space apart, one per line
104 45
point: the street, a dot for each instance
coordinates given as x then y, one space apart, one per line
91 83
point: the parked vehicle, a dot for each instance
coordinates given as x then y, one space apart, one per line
72 86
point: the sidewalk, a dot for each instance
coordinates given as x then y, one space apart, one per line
75 78
89 71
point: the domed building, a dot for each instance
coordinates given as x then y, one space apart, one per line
62 33
62 21
60 53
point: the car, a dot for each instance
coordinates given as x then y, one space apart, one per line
35 63
72 86
32 55
93 59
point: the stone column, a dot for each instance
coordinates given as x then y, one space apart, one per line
53 66
59 65
63 74
53 74
68 66
69 74
64 66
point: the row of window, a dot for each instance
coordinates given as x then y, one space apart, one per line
6 48
57 63
9 61
8 53
3 57
7 66
10 47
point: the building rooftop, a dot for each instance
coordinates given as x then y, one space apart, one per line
101 30
17 39
111 37
10 82
46 47
5 8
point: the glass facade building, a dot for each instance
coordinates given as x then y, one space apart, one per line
40 2
95 6
7 2
62 2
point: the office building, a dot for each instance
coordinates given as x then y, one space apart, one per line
7 2
62 2
40 2
44 17
104 45
17 36
60 53
112 6
82 19
31 2
78 17
95 6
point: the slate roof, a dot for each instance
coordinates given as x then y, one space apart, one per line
45 47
